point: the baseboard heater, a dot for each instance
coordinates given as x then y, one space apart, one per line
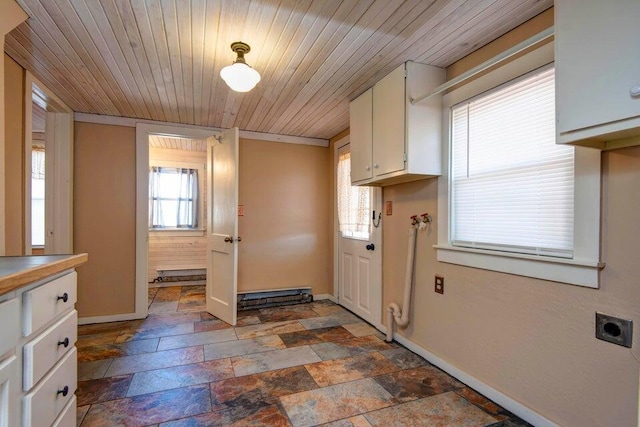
273 298
187 274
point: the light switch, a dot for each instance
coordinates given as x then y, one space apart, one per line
388 207
240 210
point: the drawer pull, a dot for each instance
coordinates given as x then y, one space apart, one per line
64 342
64 297
64 391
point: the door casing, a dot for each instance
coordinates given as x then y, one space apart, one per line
58 171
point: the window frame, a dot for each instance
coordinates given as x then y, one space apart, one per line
174 231
584 267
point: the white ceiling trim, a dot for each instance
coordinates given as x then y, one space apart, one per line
244 134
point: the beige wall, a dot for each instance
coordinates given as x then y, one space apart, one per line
285 231
104 218
14 156
286 227
170 249
530 339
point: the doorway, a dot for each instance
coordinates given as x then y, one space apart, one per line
177 211
144 131
48 166
359 241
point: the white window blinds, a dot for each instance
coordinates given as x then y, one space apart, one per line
353 202
512 186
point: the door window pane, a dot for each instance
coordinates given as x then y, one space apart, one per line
353 202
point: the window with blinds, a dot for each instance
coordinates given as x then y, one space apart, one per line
512 187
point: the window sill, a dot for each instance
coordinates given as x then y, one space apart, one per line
177 232
575 272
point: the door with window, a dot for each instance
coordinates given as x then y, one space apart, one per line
359 246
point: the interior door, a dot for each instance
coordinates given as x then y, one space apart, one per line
359 244
222 229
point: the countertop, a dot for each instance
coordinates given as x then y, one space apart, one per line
17 271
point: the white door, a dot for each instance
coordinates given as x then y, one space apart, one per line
359 243
222 230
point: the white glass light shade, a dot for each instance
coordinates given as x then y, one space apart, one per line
240 77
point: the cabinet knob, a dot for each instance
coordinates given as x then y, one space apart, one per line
64 297
64 342
64 391
375 165
367 168
634 91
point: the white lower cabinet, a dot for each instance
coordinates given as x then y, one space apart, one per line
39 375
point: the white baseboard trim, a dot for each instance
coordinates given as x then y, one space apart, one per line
109 318
330 297
501 399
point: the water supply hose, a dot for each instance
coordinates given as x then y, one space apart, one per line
401 317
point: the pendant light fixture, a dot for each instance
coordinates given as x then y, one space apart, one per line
239 76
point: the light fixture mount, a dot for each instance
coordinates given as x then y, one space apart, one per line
239 76
240 48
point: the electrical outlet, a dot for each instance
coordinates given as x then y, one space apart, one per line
439 284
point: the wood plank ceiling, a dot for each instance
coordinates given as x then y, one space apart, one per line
172 143
161 59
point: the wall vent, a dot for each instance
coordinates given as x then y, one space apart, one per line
273 298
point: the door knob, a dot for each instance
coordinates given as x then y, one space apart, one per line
238 239
228 239
370 247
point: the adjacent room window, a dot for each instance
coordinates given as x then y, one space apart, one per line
512 186
353 201
37 196
173 198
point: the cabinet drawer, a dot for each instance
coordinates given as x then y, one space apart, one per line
46 302
47 348
47 400
10 321
68 416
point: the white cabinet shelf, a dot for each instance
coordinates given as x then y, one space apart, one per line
392 140
597 59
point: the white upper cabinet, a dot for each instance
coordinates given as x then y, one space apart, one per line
597 59
392 140
360 130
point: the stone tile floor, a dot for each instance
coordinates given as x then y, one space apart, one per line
302 365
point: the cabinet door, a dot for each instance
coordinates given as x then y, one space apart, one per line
389 100
9 392
360 122
597 62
